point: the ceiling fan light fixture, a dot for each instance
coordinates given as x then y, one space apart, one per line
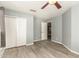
52 1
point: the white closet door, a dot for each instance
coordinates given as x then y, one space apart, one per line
43 31
10 24
21 31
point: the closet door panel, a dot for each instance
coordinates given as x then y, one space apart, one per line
21 31
10 24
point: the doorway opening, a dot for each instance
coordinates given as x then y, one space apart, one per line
49 31
46 31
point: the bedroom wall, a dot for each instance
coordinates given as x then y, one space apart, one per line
67 23
57 28
66 28
37 29
75 28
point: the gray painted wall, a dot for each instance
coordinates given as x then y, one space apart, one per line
66 28
71 29
16 13
37 29
57 28
30 30
75 28
68 25
61 28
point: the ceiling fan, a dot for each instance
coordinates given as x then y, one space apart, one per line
51 2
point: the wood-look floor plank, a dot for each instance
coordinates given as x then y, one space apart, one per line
40 49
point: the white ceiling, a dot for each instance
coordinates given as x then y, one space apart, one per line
47 13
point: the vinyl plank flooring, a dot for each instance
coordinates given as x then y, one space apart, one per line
40 49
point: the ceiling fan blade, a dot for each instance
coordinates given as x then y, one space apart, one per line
58 5
44 5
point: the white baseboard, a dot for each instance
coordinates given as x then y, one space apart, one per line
71 49
56 41
39 40
36 40
1 51
66 47
29 44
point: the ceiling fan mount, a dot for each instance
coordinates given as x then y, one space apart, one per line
56 3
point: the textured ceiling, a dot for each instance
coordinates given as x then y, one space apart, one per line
47 13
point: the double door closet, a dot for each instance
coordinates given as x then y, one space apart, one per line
15 28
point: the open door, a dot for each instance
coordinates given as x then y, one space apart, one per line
43 31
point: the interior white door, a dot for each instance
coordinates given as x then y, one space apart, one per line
21 31
43 31
10 27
